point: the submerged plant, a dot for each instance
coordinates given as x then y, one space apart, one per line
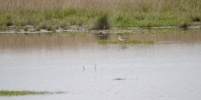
119 79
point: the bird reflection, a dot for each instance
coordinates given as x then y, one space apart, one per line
123 46
102 35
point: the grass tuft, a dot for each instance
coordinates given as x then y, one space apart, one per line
195 19
119 79
184 26
102 22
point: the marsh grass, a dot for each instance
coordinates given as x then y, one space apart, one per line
102 14
25 92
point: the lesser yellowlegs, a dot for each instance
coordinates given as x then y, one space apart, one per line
121 38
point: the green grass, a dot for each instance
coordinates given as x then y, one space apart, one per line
127 14
25 92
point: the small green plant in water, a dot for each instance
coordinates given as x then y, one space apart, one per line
119 79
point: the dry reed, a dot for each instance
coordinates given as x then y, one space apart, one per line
98 4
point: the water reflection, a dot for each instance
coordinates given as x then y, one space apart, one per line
75 41
102 35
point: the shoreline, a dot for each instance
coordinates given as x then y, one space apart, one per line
84 29
92 15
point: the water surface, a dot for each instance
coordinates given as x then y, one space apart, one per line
169 69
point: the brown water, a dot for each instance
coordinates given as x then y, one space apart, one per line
169 69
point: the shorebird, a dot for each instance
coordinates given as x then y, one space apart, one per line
121 38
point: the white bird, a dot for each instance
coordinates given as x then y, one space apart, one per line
121 38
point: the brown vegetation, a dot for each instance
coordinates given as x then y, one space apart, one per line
154 5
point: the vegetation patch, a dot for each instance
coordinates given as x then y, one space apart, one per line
119 79
103 14
126 42
195 19
25 92
101 22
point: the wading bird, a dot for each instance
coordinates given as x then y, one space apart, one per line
121 38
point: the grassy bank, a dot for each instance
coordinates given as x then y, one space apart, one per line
98 14
25 92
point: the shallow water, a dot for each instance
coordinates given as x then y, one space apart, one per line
169 69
